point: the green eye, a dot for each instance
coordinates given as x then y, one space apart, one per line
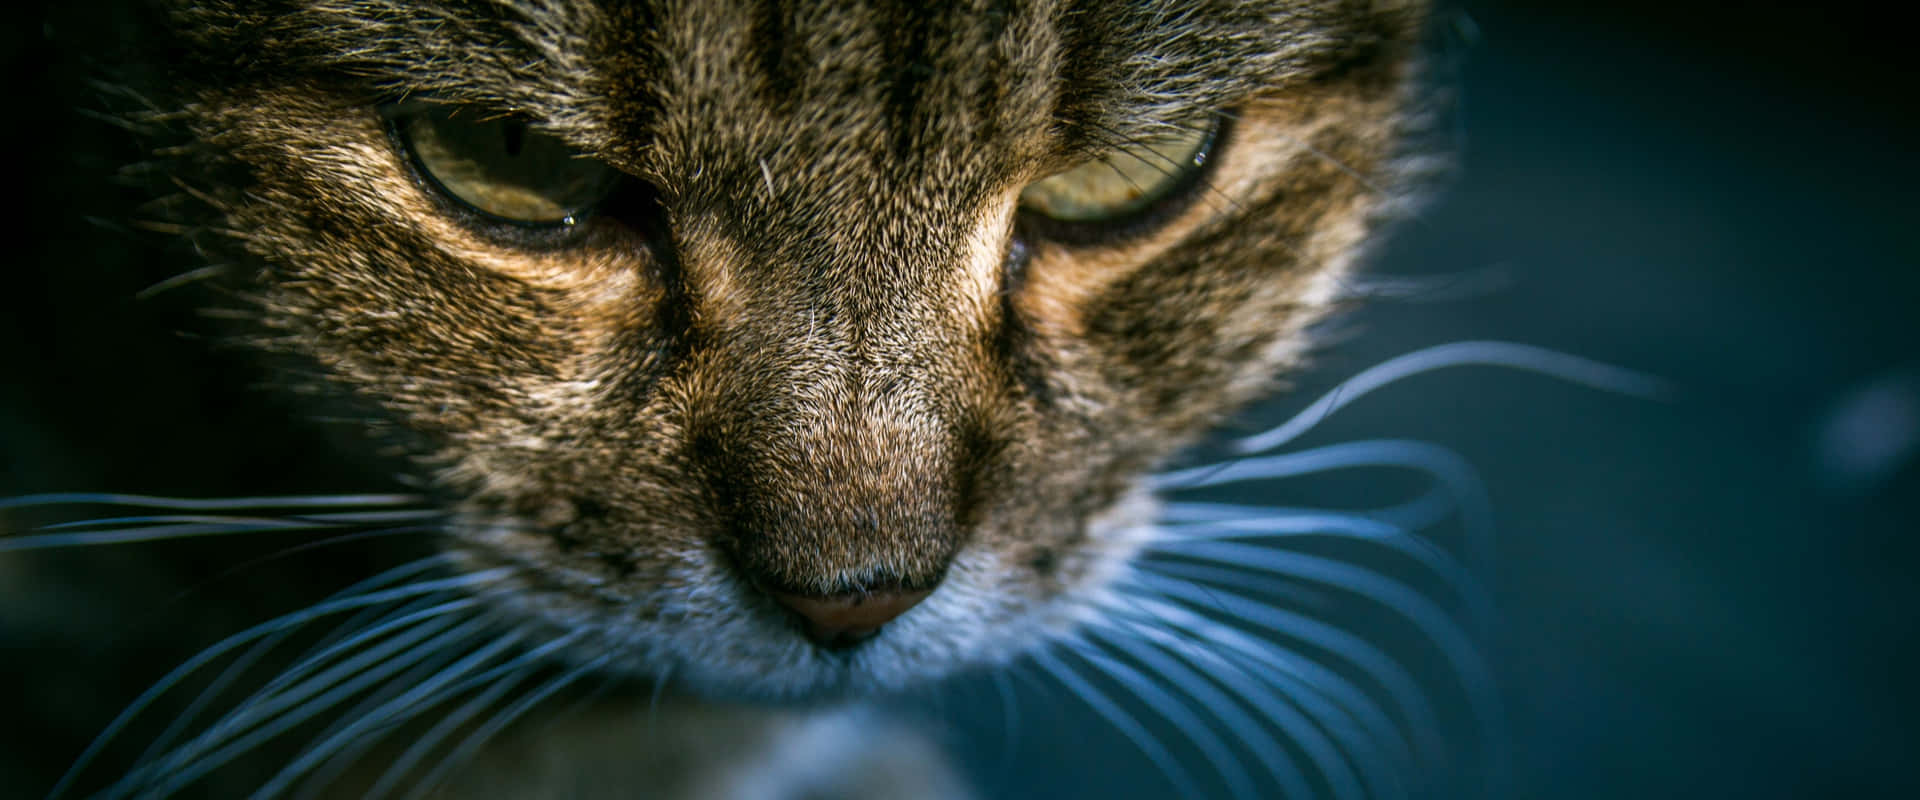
1123 183
504 168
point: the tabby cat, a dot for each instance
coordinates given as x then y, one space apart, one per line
755 359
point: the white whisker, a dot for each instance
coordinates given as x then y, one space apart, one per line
1443 288
347 755
1198 539
1278 766
332 517
504 677
1280 698
1421 512
1453 643
1335 704
327 690
365 730
1424 457
466 749
283 622
245 661
1009 715
653 700
209 504
1445 466
1183 782
321 656
295 686
1393 679
1527 358
366 619
206 526
1170 708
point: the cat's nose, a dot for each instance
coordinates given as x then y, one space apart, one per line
844 620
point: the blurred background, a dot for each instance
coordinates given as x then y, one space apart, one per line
1709 596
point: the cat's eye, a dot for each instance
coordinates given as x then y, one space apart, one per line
502 167
1124 183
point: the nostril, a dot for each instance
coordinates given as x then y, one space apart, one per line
844 620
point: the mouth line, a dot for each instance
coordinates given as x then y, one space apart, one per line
641 627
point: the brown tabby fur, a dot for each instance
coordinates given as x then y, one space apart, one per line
828 353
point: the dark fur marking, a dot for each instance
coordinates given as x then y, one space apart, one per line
781 54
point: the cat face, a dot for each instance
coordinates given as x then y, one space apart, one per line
832 361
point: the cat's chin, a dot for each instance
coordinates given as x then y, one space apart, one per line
727 641
701 628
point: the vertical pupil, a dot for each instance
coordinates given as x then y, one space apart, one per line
515 134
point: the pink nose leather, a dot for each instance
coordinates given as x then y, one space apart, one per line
845 620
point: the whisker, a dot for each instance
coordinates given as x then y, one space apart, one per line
15 544
425 744
1422 457
1281 705
653 701
1430 503
332 687
1453 643
1393 679
330 518
1170 708
330 541
465 751
1449 287
209 504
322 655
338 744
253 654
374 702
182 279
267 644
1461 482
1221 707
1237 561
294 687
268 700
1009 714
210 526
1183 782
1195 539
283 622
509 676
1419 513
1286 522
1334 703
1365 182
1526 358
164 742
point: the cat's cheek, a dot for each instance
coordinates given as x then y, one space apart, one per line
365 267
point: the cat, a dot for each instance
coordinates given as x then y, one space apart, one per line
781 354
